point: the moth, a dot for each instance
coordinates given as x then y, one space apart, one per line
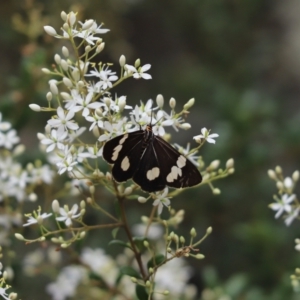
150 161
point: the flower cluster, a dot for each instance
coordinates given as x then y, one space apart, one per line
85 115
286 201
78 103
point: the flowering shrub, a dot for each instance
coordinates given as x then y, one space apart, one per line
85 114
287 205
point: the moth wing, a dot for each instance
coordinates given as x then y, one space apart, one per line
124 152
177 170
149 174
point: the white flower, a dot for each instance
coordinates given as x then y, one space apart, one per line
85 105
3 293
55 139
106 77
67 215
292 216
140 72
64 121
161 200
7 140
87 35
95 119
110 129
288 183
37 218
67 162
158 128
205 135
101 264
67 282
93 152
4 126
283 205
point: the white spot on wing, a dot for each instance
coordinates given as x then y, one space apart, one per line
176 170
125 164
123 139
153 173
181 161
116 152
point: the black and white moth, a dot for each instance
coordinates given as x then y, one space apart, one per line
150 161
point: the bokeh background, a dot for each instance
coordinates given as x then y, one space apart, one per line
241 62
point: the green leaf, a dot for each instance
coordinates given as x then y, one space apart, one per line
141 292
115 231
119 243
157 260
130 272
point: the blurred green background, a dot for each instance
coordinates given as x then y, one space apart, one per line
241 62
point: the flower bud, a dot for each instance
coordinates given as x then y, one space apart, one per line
142 199
122 61
65 95
122 103
20 149
278 170
189 104
57 59
100 48
160 101
216 191
32 197
49 96
46 71
193 232
87 49
137 63
229 163
231 171
71 18
75 74
209 230
64 16
185 126
295 176
55 206
65 51
13 296
172 103
279 185
214 164
64 65
128 191
87 24
50 30
67 82
53 88
35 107
288 183
199 256
19 236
